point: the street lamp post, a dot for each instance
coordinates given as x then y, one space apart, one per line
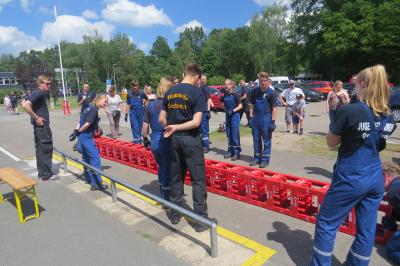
115 81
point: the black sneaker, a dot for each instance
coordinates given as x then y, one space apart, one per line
254 163
175 218
199 227
95 187
295 132
288 131
301 131
227 155
235 157
263 164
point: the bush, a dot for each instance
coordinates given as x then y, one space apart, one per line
216 80
238 77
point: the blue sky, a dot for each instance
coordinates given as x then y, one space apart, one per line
29 24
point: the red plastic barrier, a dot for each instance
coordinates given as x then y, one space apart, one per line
287 194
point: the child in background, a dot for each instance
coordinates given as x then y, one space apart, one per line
298 114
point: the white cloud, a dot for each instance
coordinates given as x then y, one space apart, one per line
264 2
13 41
72 28
271 2
26 5
191 24
144 46
3 3
89 14
134 15
44 10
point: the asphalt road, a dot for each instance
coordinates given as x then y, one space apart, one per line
292 238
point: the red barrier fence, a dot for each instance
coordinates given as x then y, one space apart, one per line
287 194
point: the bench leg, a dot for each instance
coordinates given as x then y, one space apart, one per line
20 194
36 203
19 209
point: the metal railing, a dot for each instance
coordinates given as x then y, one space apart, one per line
113 187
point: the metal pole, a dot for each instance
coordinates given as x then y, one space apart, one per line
114 191
115 81
77 80
213 237
59 53
65 165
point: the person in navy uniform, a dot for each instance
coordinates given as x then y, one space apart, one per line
88 125
181 115
135 107
233 106
361 129
205 119
35 105
391 172
86 97
160 146
263 109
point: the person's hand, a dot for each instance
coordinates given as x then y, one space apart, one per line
40 121
272 126
286 104
169 131
73 135
126 117
301 118
146 142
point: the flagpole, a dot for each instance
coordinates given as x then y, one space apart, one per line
67 109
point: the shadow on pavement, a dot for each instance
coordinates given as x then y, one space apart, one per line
318 171
317 133
297 243
222 152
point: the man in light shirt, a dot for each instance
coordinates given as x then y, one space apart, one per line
288 98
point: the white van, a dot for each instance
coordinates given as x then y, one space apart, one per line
279 80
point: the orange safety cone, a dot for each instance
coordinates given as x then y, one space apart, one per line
67 109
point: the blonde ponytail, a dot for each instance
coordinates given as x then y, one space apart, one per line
376 91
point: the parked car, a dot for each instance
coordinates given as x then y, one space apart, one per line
215 95
310 95
350 88
321 86
394 103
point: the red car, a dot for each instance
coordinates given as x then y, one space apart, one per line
321 86
215 94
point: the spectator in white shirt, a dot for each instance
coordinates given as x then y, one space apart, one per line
288 98
113 111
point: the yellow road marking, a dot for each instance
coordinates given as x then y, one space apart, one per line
262 253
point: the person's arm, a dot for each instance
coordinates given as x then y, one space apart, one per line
333 140
346 96
194 123
84 127
282 98
81 99
327 101
274 113
238 108
145 130
27 105
163 118
210 104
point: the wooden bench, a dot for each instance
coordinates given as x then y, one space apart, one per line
23 187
